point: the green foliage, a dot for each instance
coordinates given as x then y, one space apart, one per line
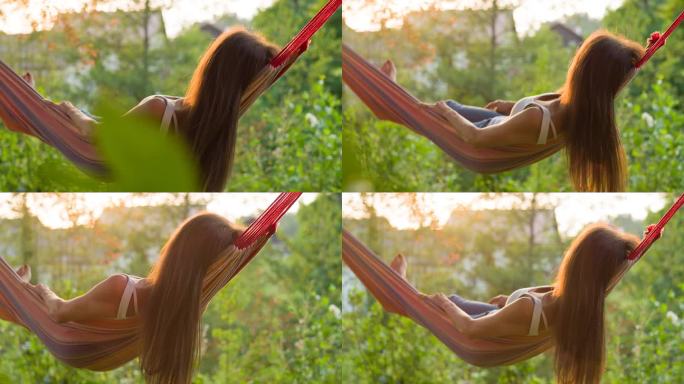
281 21
141 158
654 139
293 143
289 140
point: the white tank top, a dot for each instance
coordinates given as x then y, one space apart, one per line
169 120
546 123
537 310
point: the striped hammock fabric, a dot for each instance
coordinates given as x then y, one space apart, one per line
389 101
396 295
24 110
109 343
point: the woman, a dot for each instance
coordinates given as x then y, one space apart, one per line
581 114
207 117
573 305
168 299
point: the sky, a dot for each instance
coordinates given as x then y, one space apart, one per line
573 212
529 15
18 18
49 208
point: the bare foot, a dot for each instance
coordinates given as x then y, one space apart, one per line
28 78
24 272
390 70
399 264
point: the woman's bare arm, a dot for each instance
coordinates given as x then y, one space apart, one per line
102 301
511 320
521 128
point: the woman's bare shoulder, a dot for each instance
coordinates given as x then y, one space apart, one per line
151 106
113 284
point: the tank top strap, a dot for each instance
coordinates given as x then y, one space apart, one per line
537 315
128 294
169 116
546 124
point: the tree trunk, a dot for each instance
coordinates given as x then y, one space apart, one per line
531 238
493 45
146 48
28 238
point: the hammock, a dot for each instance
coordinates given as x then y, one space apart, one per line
106 344
389 101
25 110
396 295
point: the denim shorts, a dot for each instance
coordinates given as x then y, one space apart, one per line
480 117
475 309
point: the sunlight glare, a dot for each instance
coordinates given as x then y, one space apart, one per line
573 210
50 208
367 16
40 14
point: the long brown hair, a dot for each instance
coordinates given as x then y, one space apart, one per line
588 270
171 318
213 96
601 67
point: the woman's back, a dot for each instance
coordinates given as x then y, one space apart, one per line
538 319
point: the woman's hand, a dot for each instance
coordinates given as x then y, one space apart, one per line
51 300
655 36
304 47
499 300
650 228
460 320
83 123
465 130
445 304
501 106
28 78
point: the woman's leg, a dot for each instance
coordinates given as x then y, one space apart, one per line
472 114
474 308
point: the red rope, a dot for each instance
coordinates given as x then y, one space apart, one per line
654 234
659 40
300 42
266 222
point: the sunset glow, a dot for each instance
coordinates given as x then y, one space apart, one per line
51 209
18 17
573 210
363 15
